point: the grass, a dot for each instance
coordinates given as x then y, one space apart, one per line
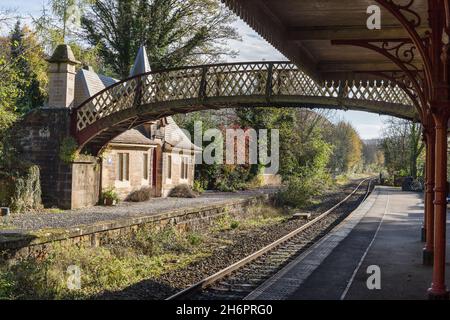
54 211
259 216
342 179
4 225
148 254
264 216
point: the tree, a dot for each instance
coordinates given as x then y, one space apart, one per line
403 147
27 58
175 32
347 148
8 92
6 17
258 118
68 12
61 23
373 156
8 78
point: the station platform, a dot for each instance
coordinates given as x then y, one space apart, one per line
384 232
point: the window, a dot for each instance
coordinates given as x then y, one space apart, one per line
169 166
123 167
145 166
184 168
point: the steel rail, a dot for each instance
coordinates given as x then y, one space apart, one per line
203 284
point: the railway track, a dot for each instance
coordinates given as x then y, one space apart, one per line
241 278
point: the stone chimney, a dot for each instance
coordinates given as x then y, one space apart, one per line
61 87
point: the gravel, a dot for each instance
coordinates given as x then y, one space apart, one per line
96 214
243 243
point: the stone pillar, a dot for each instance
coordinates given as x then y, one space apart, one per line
61 87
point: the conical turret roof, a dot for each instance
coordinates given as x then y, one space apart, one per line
141 63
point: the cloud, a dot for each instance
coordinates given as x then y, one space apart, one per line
252 47
369 131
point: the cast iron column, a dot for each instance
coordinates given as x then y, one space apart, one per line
438 288
429 196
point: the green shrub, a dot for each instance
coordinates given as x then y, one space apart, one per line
234 224
194 239
68 150
109 194
198 187
224 187
300 190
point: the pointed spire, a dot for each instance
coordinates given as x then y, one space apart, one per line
141 63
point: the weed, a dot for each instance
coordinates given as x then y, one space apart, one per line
234 224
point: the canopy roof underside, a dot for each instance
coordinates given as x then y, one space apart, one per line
303 31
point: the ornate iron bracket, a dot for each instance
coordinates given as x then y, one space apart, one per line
402 53
403 81
410 20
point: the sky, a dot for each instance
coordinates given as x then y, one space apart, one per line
251 48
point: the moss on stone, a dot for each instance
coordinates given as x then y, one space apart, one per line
21 189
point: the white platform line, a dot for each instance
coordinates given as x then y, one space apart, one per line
349 284
309 264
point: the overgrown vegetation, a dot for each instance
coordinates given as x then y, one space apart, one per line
313 150
182 191
404 150
147 254
127 261
141 195
68 150
109 196
21 189
259 216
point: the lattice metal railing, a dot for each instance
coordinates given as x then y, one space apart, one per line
195 84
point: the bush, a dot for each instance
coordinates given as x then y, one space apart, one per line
234 224
300 191
182 191
194 239
141 195
68 150
198 187
109 195
222 186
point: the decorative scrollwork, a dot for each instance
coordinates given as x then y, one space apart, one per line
404 51
411 16
411 20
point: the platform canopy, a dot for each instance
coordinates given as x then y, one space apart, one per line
303 30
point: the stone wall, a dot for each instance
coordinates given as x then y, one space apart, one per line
136 179
85 190
37 139
184 220
168 184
